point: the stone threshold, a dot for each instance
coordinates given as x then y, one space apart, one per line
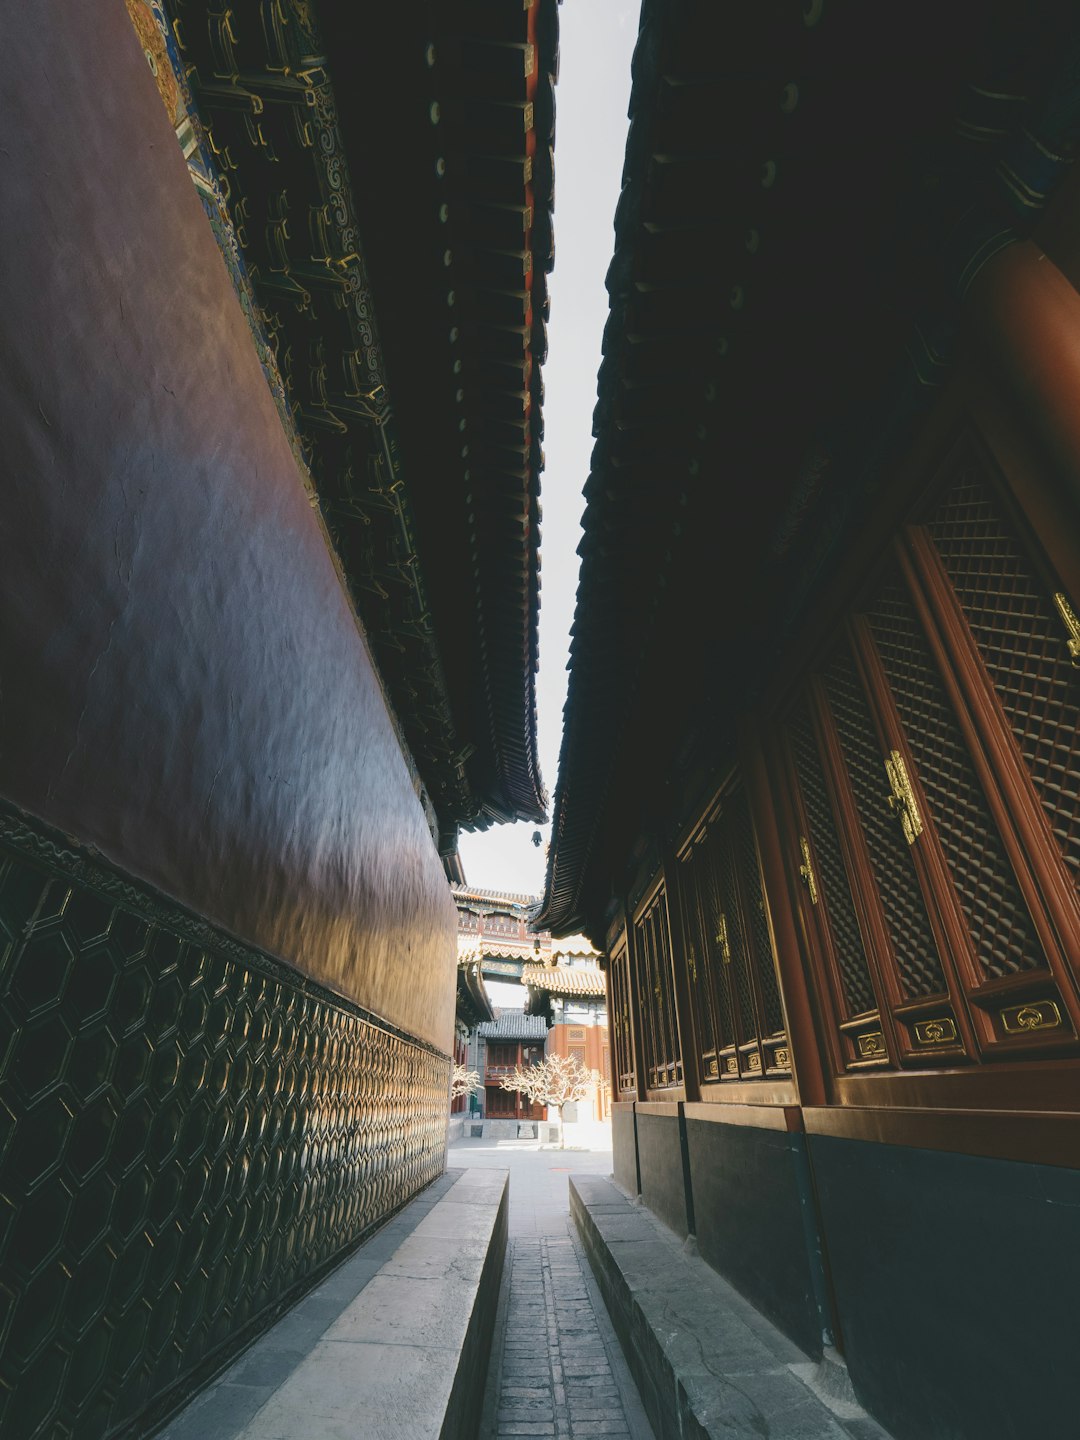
706 1363
393 1345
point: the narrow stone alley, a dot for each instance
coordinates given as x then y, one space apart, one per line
556 1368
554 1376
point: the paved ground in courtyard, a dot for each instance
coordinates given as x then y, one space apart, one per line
556 1367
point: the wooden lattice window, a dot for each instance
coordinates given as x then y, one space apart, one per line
737 1015
656 995
620 993
1014 617
935 773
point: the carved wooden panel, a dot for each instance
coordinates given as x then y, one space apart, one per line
913 942
997 920
620 992
656 996
933 796
822 868
710 1001
737 1013
1023 643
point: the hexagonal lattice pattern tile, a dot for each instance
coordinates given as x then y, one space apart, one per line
189 1133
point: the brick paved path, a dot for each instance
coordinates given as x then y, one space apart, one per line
556 1366
555 1378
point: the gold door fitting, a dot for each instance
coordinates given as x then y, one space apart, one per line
806 870
722 938
902 801
1072 625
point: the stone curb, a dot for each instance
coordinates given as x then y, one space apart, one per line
708 1366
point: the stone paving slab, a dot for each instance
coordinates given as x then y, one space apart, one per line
393 1345
708 1365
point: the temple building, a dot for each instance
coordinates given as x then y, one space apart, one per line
570 991
509 1040
496 925
819 794
495 943
473 1008
269 576
561 1010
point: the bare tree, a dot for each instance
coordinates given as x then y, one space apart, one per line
463 1082
557 1080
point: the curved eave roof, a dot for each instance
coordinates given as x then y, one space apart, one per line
473 1002
386 179
501 950
564 979
457 219
510 902
515 1025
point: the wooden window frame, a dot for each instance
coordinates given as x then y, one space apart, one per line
623 1020
655 976
1022 822
708 1054
842 1036
1013 1105
986 998
732 1081
1042 1084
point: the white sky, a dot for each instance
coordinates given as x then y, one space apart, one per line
595 48
506 994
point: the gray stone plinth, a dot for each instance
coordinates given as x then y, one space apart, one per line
706 1363
393 1346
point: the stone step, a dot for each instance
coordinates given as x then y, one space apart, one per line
706 1363
393 1346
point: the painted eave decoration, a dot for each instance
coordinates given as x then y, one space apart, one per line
565 979
473 1001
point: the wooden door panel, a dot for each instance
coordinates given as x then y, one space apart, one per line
755 920
935 793
709 1001
1003 938
735 951
656 996
914 940
837 939
728 949
1022 641
622 1022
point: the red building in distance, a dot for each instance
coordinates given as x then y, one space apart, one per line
564 1004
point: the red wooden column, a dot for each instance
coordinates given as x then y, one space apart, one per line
1026 312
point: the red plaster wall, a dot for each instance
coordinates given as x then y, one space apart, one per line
182 683
596 1038
595 1043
